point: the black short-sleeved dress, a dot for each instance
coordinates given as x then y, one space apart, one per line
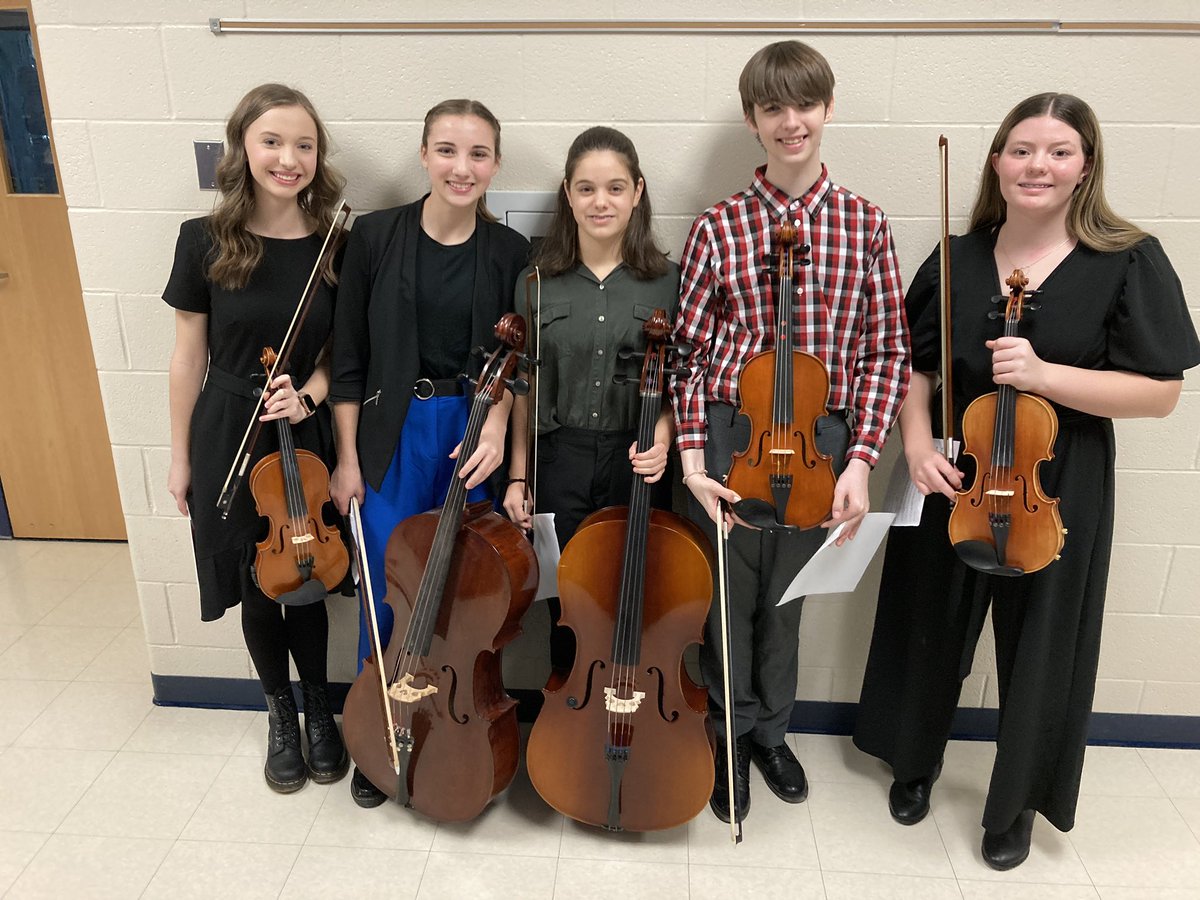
1122 311
240 324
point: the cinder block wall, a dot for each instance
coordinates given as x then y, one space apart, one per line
132 82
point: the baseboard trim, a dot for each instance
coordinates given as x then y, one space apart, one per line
812 716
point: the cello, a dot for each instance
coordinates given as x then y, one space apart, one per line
623 741
301 558
1003 524
430 724
783 479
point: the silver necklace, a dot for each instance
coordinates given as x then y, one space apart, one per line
1030 265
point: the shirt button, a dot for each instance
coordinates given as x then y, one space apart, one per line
597 384
600 318
595 415
599 352
601 287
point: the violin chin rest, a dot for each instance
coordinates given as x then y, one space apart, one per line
760 514
981 556
312 591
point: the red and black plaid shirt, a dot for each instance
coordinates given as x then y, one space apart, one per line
849 309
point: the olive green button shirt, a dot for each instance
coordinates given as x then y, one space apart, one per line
584 323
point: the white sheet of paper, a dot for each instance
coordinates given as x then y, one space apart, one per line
837 570
545 545
902 497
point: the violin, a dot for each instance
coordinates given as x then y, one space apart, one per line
783 479
301 559
1003 524
623 741
429 722
322 271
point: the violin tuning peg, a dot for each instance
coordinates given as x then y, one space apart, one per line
678 372
479 351
622 379
683 351
629 353
995 314
532 361
519 386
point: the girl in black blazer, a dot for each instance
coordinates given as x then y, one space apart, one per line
421 285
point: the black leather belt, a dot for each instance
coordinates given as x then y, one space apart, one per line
427 388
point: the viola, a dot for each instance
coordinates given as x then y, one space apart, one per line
623 741
429 723
302 558
783 479
1003 524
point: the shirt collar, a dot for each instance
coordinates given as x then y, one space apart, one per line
781 204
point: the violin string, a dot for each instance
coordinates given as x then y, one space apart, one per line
286 454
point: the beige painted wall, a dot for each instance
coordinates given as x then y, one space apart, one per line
132 82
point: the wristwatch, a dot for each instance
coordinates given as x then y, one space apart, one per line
307 402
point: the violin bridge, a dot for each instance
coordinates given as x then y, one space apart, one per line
302 538
404 692
621 705
995 493
781 452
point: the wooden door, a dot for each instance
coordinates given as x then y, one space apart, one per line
56 460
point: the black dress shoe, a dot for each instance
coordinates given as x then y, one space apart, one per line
363 792
908 801
719 801
783 772
1008 849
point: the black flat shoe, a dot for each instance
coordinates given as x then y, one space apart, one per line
1009 849
719 801
782 771
908 801
363 792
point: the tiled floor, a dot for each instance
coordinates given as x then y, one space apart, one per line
102 794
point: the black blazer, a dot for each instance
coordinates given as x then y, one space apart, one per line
375 355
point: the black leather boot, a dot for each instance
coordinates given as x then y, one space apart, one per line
327 757
1008 849
908 801
285 770
719 802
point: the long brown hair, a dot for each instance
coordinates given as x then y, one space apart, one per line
462 107
1089 217
559 250
237 251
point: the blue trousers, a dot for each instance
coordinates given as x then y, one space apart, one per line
416 481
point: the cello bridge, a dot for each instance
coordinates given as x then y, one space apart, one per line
619 705
404 692
995 493
302 538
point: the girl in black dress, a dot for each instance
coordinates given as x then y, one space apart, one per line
1111 338
237 278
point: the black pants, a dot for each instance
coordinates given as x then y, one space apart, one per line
579 472
764 637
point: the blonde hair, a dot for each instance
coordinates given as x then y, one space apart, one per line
1089 217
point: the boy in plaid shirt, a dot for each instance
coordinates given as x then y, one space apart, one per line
848 311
